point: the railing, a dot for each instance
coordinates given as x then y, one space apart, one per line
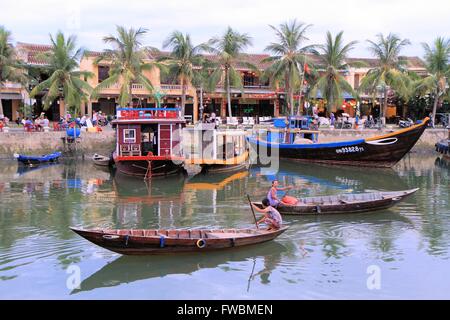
138 86
10 85
259 86
148 113
172 87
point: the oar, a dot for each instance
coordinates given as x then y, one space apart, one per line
251 276
253 211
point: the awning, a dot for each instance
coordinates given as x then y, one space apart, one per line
345 95
10 96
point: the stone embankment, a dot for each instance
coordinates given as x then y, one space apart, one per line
103 142
47 142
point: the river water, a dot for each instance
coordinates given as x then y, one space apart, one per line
402 252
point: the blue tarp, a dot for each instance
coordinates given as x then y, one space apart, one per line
345 95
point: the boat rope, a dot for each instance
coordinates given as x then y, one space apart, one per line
162 241
127 237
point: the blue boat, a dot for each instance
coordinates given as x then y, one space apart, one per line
379 151
35 160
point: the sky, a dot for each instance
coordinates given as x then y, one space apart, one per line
91 20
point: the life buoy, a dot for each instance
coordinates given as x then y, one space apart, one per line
201 243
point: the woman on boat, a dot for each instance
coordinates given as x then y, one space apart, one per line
271 215
272 195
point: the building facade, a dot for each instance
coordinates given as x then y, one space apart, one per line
256 98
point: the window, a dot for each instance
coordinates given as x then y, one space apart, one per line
103 73
129 135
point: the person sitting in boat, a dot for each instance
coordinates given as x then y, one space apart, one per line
271 215
272 194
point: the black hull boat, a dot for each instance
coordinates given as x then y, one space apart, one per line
379 151
144 169
345 203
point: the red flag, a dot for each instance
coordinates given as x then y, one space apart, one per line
306 68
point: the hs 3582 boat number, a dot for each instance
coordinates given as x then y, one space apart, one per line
350 150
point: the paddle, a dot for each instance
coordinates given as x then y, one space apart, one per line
253 211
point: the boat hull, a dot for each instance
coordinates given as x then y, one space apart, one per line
36 160
153 242
345 204
215 168
381 151
138 168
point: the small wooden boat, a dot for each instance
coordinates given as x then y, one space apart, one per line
344 203
149 242
379 151
35 160
100 160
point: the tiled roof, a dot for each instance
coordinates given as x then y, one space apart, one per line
30 52
414 62
411 62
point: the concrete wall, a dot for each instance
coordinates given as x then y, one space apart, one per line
46 142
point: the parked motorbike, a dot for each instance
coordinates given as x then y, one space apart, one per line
406 123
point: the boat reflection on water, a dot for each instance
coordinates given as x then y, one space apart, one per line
316 179
162 196
22 170
128 269
442 162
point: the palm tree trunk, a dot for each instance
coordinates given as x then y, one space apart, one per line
201 103
183 97
435 104
130 97
385 101
287 92
227 75
1 104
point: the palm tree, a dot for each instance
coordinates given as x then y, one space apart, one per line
390 71
288 57
228 49
65 81
437 62
183 61
331 83
11 69
126 61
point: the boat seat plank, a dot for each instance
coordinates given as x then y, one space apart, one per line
224 235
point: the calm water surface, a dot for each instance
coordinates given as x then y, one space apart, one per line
318 257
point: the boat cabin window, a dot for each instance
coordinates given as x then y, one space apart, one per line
129 135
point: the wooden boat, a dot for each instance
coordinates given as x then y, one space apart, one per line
149 242
148 141
215 150
35 160
344 203
100 160
379 151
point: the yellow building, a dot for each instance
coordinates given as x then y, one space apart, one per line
257 98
